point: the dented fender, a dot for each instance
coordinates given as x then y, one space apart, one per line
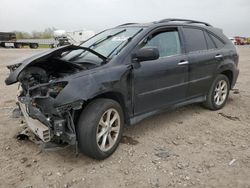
88 86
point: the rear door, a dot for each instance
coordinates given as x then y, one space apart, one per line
202 59
162 82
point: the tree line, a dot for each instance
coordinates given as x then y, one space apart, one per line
47 33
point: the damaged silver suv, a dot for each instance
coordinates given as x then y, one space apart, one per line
84 95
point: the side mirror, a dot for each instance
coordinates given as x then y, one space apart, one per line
146 54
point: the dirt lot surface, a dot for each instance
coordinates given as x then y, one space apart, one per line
187 147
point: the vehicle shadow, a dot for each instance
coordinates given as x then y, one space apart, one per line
140 131
154 123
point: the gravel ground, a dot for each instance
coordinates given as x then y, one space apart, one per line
187 147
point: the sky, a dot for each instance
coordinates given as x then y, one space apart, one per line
233 16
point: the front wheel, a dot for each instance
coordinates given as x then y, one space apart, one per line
99 129
218 93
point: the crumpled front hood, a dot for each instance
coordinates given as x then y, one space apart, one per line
16 69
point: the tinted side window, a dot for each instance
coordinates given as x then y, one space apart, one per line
217 41
195 39
167 42
210 42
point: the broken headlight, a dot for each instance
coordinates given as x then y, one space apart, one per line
51 90
56 88
74 105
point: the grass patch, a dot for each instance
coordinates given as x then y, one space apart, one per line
44 46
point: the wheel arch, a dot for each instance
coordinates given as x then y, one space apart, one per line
227 68
229 74
116 96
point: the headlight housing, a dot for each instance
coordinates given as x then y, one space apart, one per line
55 89
47 90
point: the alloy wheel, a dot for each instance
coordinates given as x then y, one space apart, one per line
108 129
220 92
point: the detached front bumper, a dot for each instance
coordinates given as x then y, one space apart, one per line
40 129
49 127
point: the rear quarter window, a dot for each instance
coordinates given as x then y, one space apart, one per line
210 42
194 39
217 41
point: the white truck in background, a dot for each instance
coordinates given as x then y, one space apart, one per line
63 37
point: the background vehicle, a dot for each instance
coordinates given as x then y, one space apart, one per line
85 94
241 40
248 40
233 40
63 37
9 40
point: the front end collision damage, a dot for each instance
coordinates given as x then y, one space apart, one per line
49 122
52 98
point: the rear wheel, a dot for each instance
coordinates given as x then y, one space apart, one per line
33 46
218 93
99 129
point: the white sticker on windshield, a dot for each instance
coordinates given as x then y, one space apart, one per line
122 38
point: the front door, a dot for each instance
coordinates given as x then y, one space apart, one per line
162 82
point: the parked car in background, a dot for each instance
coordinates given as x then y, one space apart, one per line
241 40
84 95
248 40
233 40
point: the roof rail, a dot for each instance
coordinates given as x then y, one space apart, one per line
126 24
183 20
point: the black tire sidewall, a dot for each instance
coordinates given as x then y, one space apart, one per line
87 126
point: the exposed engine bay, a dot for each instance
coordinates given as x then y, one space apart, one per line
40 82
48 71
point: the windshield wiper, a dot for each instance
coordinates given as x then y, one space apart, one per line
121 45
106 38
90 50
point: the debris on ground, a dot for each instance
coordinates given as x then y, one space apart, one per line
231 162
182 164
24 159
162 153
7 148
235 91
233 118
208 164
128 140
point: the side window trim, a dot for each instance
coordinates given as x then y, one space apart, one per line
207 35
162 29
185 45
212 34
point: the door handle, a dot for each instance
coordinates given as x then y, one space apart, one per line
218 56
183 63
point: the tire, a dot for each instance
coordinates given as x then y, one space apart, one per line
90 125
33 46
18 45
212 102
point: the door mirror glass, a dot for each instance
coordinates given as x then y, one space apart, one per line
146 54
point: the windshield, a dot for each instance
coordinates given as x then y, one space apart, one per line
108 43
